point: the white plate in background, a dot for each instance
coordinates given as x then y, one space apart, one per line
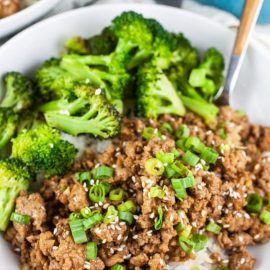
30 48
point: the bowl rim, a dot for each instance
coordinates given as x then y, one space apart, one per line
129 6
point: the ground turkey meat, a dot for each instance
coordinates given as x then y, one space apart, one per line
218 196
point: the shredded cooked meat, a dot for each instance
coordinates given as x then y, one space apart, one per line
218 196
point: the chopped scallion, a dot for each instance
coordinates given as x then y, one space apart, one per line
116 194
97 193
111 215
92 221
182 131
190 158
186 244
209 155
157 192
265 217
200 241
91 251
83 176
126 216
103 172
194 144
254 203
74 216
77 231
149 133
165 157
154 167
20 218
107 187
128 206
85 212
188 181
158 220
166 127
118 267
213 228
180 191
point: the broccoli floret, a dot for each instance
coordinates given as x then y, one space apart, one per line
87 112
14 178
209 74
43 150
156 94
207 111
101 44
53 81
8 125
19 92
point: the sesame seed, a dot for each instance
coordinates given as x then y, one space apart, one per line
104 241
54 248
135 217
135 236
119 237
257 236
55 231
133 178
152 215
112 250
242 261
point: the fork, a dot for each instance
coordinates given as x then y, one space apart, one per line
248 20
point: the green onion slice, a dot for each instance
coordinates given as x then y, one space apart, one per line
91 251
181 144
111 215
213 228
92 221
149 133
209 155
200 241
186 244
182 131
116 194
74 216
254 203
118 267
165 157
77 231
265 217
85 212
107 187
154 167
83 176
97 193
180 191
103 172
166 127
158 221
190 158
128 206
126 216
157 192
194 144
20 218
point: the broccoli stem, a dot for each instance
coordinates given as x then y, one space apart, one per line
70 124
8 197
5 137
67 107
102 60
206 110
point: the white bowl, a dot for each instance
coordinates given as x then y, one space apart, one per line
30 48
26 16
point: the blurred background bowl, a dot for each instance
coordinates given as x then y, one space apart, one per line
26 16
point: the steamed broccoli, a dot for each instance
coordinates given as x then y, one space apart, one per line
19 92
43 150
209 74
8 125
14 178
156 94
207 111
86 111
101 44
